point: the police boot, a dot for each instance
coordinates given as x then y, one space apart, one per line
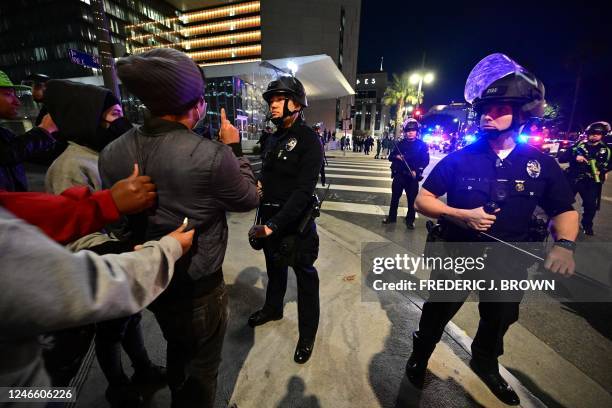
263 316
588 230
388 220
416 367
303 350
489 374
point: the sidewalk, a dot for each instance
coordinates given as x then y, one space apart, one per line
361 348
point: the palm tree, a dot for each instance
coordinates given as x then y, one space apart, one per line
399 93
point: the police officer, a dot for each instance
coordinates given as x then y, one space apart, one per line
515 176
408 160
38 82
289 176
589 162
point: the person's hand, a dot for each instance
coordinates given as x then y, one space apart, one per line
581 159
184 238
413 174
259 189
399 157
48 124
260 231
133 194
228 133
478 219
560 260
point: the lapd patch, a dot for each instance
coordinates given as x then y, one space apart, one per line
534 168
291 143
519 186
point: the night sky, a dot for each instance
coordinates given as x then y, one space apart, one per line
554 41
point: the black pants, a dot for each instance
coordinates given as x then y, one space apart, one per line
194 329
110 336
498 310
307 282
399 185
589 193
323 173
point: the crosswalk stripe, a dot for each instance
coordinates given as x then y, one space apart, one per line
357 170
369 209
363 189
358 163
348 176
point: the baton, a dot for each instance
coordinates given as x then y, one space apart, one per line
463 225
401 155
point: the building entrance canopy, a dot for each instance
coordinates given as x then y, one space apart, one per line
319 74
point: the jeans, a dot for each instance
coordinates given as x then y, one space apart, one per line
194 329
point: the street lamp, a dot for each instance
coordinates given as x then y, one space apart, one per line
419 78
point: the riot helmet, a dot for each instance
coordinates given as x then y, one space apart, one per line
601 128
497 79
411 124
291 88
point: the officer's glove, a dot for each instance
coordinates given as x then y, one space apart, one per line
560 260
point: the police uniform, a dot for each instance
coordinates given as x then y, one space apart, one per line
289 176
471 178
416 155
583 180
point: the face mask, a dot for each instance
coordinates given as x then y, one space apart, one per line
201 118
104 136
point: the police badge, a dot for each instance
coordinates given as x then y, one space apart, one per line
534 168
291 143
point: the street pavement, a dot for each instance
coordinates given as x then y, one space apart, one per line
557 355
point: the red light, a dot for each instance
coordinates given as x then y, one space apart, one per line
418 112
537 138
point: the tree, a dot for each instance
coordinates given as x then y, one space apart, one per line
398 94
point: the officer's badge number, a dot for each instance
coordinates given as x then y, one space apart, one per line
291 143
534 168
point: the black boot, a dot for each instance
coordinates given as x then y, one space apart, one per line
303 350
416 367
152 374
492 378
388 220
588 230
263 316
123 396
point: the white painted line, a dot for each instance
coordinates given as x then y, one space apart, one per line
368 209
606 198
382 190
355 163
345 176
358 170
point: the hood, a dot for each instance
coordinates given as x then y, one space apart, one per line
76 109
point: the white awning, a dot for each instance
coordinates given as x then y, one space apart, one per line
319 74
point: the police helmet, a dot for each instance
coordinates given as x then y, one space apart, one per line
600 128
499 79
38 78
289 86
411 124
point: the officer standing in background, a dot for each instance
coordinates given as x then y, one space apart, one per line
38 82
289 176
589 162
408 159
517 177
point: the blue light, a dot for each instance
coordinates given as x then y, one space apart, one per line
427 138
469 138
430 129
523 138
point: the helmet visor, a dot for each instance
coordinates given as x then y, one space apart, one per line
487 71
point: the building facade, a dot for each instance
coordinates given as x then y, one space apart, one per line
39 34
371 115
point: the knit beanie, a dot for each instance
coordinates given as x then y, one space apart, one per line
166 80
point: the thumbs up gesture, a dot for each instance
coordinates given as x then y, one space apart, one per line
228 133
134 194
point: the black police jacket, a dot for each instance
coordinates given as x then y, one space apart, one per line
416 154
14 150
475 175
289 174
598 152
